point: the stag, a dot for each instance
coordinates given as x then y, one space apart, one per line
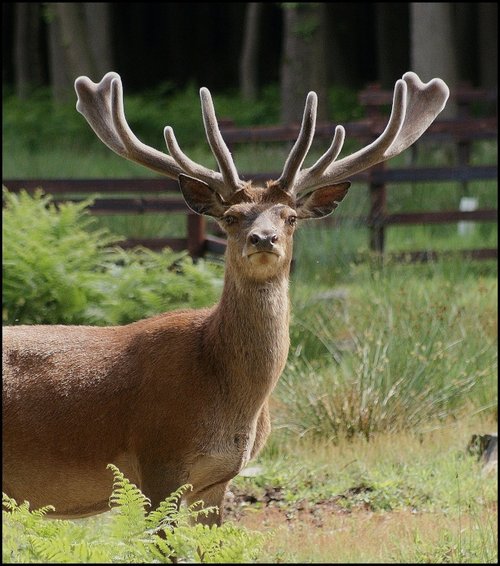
181 397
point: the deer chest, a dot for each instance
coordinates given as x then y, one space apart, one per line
223 459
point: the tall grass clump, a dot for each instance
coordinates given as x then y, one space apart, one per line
131 533
59 269
397 350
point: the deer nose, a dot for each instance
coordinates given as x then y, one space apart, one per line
263 240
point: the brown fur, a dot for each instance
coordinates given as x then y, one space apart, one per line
177 398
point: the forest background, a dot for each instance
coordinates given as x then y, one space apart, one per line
245 46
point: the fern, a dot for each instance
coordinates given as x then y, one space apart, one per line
130 518
67 550
59 268
127 534
167 513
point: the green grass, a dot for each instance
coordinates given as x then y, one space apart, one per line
389 348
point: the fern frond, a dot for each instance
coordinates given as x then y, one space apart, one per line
64 548
158 548
130 507
54 549
124 492
11 504
197 509
8 503
42 511
29 537
167 513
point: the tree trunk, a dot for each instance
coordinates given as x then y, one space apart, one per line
69 51
432 44
390 31
488 44
74 38
27 60
303 66
98 36
59 78
250 50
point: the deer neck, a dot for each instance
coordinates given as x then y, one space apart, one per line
249 332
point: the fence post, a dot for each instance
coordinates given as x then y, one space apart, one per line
378 209
195 234
464 146
377 189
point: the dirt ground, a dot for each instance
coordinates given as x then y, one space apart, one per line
330 532
244 508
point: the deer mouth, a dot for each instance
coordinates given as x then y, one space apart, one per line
263 257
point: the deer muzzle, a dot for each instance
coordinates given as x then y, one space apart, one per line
263 247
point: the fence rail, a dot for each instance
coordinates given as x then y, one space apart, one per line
140 196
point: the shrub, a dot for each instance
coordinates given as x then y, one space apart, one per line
59 269
141 283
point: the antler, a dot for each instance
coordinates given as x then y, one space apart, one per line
102 106
415 106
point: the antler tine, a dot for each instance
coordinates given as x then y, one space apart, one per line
302 145
217 143
212 178
362 157
331 154
102 106
415 106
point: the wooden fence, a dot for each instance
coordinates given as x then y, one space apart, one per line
139 196
132 196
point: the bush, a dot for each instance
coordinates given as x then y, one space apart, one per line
59 269
141 283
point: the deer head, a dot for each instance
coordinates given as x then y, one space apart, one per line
259 221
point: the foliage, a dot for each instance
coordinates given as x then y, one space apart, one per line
141 283
130 535
51 260
57 268
36 120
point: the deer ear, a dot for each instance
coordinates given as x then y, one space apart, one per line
321 202
200 197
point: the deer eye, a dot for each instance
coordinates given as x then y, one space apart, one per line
230 220
292 220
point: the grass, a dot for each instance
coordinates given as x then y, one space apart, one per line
389 349
414 498
402 537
